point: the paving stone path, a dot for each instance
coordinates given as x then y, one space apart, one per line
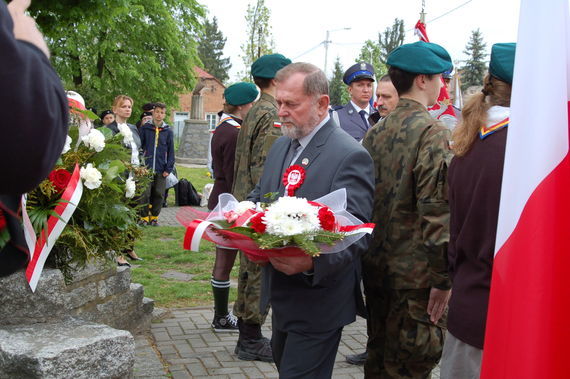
184 345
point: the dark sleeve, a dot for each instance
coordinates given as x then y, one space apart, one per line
229 156
356 174
34 125
170 152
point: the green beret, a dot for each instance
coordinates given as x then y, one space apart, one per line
268 65
503 61
420 58
241 93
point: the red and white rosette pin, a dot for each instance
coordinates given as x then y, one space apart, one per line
293 177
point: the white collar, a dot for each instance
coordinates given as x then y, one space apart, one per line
496 114
358 109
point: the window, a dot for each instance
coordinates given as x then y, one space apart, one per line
212 119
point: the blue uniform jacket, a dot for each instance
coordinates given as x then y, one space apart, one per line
164 150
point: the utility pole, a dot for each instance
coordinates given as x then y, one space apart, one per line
326 43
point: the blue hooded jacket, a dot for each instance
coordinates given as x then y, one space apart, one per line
159 157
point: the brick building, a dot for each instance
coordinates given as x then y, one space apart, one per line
212 92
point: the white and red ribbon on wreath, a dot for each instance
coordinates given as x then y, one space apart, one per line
202 225
41 247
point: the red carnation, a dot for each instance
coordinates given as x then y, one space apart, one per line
327 219
257 224
60 178
2 220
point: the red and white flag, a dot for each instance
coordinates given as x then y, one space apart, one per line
528 327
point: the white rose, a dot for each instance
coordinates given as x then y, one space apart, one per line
127 134
130 188
94 140
91 176
67 145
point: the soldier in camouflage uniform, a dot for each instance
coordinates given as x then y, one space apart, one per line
259 130
405 270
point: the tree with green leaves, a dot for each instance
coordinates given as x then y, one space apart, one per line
376 53
392 38
143 48
473 71
370 52
259 38
337 89
211 44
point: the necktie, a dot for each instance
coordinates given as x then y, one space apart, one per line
290 154
363 117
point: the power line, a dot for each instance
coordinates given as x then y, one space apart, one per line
409 30
444 14
308 51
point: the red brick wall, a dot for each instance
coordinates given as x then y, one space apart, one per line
213 98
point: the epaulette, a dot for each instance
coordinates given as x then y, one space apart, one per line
488 130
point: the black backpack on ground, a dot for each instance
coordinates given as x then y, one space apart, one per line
186 194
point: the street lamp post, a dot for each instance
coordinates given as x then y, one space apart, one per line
326 42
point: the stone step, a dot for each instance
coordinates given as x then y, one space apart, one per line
69 349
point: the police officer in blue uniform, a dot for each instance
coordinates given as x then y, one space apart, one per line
358 115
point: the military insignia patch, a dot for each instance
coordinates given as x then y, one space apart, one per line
276 124
363 66
305 161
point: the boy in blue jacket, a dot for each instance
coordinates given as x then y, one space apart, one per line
157 144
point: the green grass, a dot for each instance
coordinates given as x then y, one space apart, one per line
161 249
199 177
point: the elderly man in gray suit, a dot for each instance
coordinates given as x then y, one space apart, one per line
313 298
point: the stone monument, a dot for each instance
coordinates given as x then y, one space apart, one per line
196 135
80 330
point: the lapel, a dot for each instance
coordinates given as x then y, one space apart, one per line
310 152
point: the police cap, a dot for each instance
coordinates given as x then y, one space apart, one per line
503 61
105 113
420 58
358 71
267 66
241 93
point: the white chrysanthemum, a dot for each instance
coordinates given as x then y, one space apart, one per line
290 216
130 188
91 176
243 206
94 140
67 145
127 134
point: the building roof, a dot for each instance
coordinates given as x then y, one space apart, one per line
203 74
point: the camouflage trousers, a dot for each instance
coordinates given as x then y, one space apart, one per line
247 303
402 342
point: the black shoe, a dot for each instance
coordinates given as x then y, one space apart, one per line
357 359
254 350
124 264
224 324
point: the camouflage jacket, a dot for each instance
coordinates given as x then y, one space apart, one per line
411 154
260 128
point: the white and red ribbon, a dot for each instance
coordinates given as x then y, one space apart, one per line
41 247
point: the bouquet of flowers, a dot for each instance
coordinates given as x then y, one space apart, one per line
84 209
289 226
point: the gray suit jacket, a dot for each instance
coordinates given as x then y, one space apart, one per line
329 298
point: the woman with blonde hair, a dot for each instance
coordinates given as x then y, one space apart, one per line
122 108
475 176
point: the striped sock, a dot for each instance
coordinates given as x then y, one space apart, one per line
221 291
